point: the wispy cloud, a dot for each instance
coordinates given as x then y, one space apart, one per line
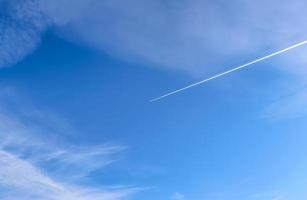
21 177
275 195
177 196
35 168
288 107
194 36
190 35
20 30
22 180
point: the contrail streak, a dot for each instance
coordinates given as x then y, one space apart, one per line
230 71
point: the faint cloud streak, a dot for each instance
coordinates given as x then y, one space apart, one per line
34 166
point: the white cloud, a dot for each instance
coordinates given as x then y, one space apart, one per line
35 166
20 30
193 36
177 196
23 177
18 173
22 180
275 195
289 107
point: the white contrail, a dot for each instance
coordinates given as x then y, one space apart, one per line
230 71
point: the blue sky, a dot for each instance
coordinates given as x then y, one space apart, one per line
76 78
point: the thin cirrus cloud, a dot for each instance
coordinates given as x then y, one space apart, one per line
177 196
194 36
273 195
21 26
289 107
32 168
22 180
